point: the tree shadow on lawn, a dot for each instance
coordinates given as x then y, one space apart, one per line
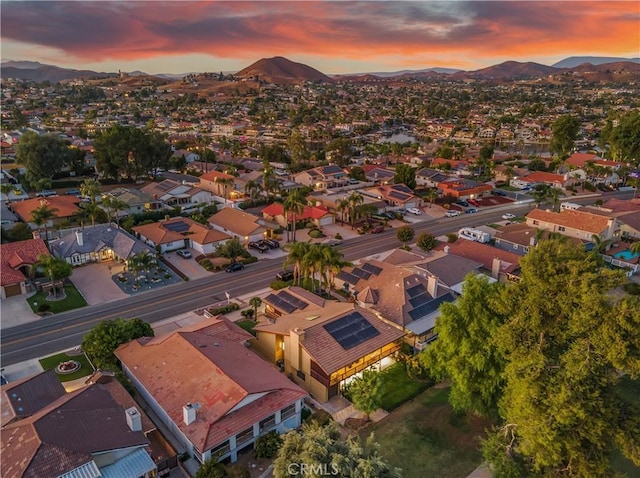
425 437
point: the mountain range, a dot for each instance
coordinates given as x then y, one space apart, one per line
280 70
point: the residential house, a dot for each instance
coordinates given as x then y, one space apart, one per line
403 296
243 225
179 233
574 223
16 261
173 193
99 243
520 238
393 195
321 344
63 207
559 181
137 201
377 175
189 156
461 188
323 177
225 187
330 200
496 263
430 177
626 213
212 392
95 431
318 215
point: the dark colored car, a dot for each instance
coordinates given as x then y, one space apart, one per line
497 192
471 210
236 266
272 243
377 230
73 192
462 203
258 246
184 254
285 276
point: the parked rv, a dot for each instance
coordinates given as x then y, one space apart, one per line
474 235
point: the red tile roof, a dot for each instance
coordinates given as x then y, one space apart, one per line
309 212
210 366
158 233
543 177
582 221
215 175
66 206
484 254
16 254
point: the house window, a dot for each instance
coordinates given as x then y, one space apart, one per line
535 223
244 436
287 412
301 375
561 228
515 246
221 450
267 423
526 249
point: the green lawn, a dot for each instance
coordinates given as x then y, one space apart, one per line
52 362
247 325
397 388
425 438
73 301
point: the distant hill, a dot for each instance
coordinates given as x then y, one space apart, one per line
574 61
52 73
389 74
24 65
279 70
509 70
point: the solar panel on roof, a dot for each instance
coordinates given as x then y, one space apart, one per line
351 330
375 270
420 299
347 277
294 301
177 226
398 195
361 273
429 307
402 188
283 305
416 290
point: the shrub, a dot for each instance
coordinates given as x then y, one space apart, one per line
225 309
206 263
44 307
310 225
451 238
632 288
249 260
278 284
268 445
321 417
237 471
247 314
590 187
278 230
316 233
338 236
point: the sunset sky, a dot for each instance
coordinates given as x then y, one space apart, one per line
333 37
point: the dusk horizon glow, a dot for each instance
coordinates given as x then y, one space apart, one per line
333 37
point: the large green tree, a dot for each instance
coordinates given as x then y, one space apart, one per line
42 155
365 392
565 130
624 139
101 341
406 175
465 351
323 453
405 234
566 342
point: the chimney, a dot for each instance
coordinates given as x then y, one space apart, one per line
432 286
189 414
495 267
296 336
134 420
80 238
167 217
532 241
36 234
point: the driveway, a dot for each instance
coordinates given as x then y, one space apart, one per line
95 284
15 311
188 267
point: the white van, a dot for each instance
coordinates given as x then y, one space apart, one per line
474 235
569 205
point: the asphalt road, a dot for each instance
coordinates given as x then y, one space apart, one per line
66 330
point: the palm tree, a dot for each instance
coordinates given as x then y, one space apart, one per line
93 211
600 245
297 252
255 302
294 204
42 215
90 188
252 189
355 199
554 195
333 262
635 247
225 182
55 269
114 204
342 205
431 195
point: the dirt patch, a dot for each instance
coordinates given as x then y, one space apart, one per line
356 424
256 466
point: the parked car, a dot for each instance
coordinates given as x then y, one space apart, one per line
471 210
388 215
45 193
73 192
414 210
272 243
508 216
452 213
285 276
184 254
261 248
333 242
236 266
462 203
377 230
474 202
497 192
